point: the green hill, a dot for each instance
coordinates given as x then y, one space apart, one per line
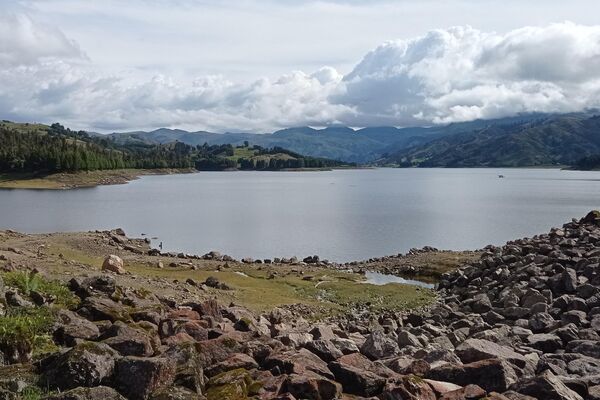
548 140
36 148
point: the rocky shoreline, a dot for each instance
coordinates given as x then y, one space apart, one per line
521 321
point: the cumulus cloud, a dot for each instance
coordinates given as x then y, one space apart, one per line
23 42
462 74
448 75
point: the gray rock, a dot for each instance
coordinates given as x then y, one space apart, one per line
70 327
378 345
491 374
472 350
405 338
131 341
137 378
346 346
546 342
546 386
576 317
13 299
87 364
588 348
542 323
325 349
532 297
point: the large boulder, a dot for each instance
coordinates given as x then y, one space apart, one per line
479 349
408 388
102 308
87 364
136 378
70 327
231 385
114 264
216 350
360 376
546 342
102 285
188 366
325 349
491 374
378 345
312 386
235 361
297 362
130 340
546 386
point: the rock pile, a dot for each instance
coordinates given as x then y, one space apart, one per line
521 323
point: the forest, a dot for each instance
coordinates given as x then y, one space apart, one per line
54 148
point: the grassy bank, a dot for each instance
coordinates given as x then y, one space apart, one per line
318 292
65 180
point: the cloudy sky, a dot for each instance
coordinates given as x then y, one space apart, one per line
260 65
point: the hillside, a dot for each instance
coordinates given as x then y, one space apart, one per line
42 149
362 146
547 140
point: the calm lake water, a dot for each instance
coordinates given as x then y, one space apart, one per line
339 215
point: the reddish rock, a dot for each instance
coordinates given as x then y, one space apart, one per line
360 376
114 264
407 388
312 386
235 361
297 362
183 313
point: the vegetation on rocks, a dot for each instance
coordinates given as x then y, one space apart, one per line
24 332
30 283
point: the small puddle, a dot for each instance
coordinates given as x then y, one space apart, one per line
376 278
240 273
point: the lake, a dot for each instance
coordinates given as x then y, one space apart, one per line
340 215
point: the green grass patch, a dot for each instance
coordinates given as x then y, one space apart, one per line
28 282
329 292
390 297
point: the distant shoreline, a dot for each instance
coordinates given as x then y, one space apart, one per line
89 179
81 179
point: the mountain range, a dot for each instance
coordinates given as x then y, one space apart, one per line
524 140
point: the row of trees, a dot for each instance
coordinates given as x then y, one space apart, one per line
57 149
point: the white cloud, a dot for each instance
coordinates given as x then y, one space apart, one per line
447 75
23 42
462 73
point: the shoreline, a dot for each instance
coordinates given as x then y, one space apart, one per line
495 327
90 179
81 179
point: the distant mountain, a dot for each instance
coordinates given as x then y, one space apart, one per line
532 139
336 142
542 140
